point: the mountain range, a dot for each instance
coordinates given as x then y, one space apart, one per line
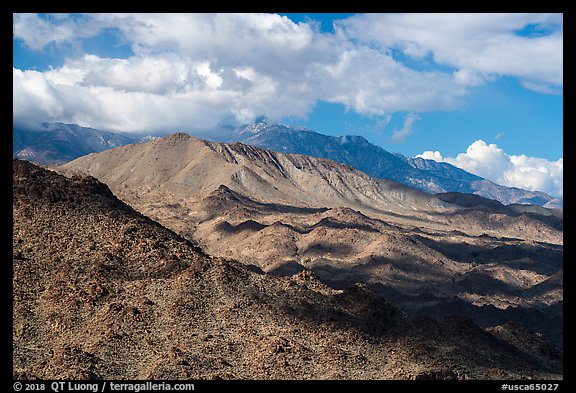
101 291
283 214
426 175
59 143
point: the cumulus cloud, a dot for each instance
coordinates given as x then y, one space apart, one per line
196 71
492 163
487 161
228 68
431 155
478 46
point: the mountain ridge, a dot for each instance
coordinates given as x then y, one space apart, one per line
179 161
427 175
286 213
57 143
245 163
60 143
103 292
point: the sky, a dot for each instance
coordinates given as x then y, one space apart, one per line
481 91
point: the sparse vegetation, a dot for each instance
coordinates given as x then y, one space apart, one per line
101 291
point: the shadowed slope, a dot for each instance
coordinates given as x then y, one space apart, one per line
103 292
283 213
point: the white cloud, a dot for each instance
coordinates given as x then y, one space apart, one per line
492 163
478 46
226 67
399 136
37 32
194 71
431 155
115 104
146 75
487 161
536 174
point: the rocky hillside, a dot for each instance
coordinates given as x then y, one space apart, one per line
171 165
426 175
434 255
179 170
101 291
58 143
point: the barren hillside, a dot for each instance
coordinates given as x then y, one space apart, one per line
434 255
101 291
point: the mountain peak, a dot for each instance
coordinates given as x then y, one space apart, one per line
255 128
263 126
344 139
178 136
56 143
154 306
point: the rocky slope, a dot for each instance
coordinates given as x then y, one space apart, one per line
433 255
426 175
169 166
101 291
162 171
58 143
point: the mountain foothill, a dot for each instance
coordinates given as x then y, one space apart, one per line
183 258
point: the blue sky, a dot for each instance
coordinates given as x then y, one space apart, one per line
469 89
